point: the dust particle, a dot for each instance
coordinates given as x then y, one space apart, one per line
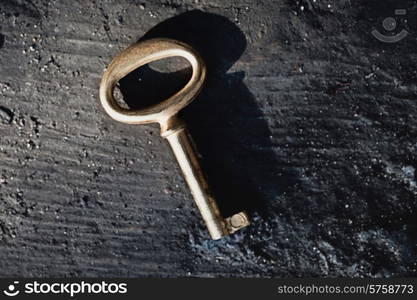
6 115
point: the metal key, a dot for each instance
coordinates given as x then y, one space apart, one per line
172 129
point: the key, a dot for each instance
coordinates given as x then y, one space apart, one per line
172 128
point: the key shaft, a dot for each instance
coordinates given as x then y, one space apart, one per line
185 154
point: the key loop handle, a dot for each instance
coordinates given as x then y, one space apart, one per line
141 54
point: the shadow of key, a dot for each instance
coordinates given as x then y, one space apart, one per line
225 122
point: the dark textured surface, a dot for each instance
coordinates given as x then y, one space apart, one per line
306 120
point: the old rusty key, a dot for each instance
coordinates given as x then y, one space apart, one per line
172 129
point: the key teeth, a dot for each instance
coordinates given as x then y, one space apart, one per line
237 222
